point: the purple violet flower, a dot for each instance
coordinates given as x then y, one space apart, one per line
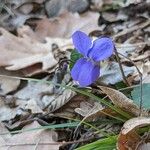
87 69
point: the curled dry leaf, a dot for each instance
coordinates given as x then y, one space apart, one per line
128 137
135 123
18 53
41 139
120 100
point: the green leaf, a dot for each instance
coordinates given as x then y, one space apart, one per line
145 95
102 144
120 85
74 57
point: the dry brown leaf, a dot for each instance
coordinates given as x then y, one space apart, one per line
7 113
83 106
86 109
61 100
67 23
10 107
39 139
120 100
111 17
128 142
18 12
17 53
8 85
128 138
144 56
40 92
19 3
44 96
131 29
26 8
68 109
19 20
32 105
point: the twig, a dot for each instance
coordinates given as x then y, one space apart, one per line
121 68
131 45
134 28
126 88
141 78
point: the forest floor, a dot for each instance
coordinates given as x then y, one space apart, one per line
42 107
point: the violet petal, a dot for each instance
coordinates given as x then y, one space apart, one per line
102 49
81 42
85 72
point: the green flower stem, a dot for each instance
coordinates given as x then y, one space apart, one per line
55 126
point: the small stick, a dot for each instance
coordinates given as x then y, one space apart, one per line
121 68
134 28
141 78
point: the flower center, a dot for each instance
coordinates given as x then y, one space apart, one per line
96 63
